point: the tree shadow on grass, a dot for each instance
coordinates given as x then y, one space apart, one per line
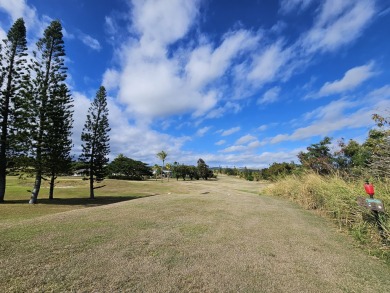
81 201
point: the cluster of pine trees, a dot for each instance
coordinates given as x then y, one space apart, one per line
37 112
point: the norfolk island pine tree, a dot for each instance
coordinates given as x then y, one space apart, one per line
42 85
95 147
13 67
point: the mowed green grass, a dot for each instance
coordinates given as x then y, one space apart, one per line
70 193
199 236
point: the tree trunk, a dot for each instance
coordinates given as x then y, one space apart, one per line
91 190
52 183
3 147
162 171
2 182
37 187
4 127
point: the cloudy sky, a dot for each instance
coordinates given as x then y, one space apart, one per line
237 83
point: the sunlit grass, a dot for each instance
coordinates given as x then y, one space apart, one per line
70 193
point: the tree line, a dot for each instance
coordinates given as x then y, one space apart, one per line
351 159
201 170
126 168
37 112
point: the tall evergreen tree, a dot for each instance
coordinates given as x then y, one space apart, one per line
96 140
47 102
59 143
13 62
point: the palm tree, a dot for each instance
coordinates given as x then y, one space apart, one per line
162 155
169 168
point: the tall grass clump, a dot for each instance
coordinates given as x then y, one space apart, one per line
336 198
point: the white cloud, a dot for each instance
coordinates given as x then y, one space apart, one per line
337 115
19 8
206 64
256 144
352 79
3 34
385 11
250 160
220 142
154 84
125 137
247 143
163 21
245 139
153 88
110 25
338 24
234 148
203 131
230 131
67 35
287 6
268 63
381 93
81 106
220 111
263 127
278 27
271 96
90 42
111 79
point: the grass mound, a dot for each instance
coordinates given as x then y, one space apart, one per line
336 198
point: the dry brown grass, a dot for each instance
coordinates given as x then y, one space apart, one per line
199 236
335 198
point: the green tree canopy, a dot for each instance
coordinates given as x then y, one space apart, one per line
318 157
46 105
123 167
12 69
96 139
162 156
203 169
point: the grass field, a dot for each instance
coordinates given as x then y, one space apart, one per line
70 193
177 236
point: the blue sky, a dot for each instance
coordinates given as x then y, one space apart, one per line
237 83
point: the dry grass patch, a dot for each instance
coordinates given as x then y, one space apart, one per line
337 199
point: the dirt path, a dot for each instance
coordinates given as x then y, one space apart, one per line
216 236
